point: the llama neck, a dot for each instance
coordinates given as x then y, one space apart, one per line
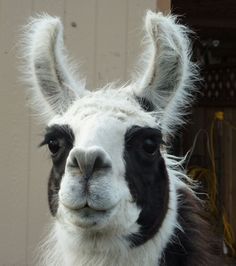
191 244
102 251
65 248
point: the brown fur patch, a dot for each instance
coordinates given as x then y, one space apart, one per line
196 245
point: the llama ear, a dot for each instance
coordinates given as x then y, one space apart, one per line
46 67
167 76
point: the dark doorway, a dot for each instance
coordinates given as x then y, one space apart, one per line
211 128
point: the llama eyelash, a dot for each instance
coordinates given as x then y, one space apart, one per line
58 132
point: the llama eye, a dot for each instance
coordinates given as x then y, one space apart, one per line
149 146
53 146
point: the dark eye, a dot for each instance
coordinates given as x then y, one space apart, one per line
53 146
150 146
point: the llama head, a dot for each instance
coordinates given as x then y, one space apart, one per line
109 172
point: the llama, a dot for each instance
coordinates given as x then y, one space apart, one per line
115 194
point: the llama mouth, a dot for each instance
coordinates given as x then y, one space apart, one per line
87 208
88 212
86 216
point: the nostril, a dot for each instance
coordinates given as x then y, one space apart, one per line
100 164
73 163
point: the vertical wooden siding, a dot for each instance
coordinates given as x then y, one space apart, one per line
104 37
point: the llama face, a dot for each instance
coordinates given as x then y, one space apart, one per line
109 173
97 168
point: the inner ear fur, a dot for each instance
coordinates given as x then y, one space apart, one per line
167 75
46 67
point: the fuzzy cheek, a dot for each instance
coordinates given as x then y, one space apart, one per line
71 193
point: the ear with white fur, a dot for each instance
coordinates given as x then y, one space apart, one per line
168 73
46 67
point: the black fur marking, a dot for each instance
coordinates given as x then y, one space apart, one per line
58 132
65 137
147 179
145 104
195 245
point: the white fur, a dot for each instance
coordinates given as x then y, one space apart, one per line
99 120
167 74
45 60
66 245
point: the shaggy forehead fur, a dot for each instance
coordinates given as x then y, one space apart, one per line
108 102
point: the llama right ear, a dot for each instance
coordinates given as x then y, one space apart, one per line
46 67
168 73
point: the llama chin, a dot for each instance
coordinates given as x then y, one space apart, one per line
115 194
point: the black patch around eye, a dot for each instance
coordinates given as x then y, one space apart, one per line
58 132
136 137
145 104
148 183
63 135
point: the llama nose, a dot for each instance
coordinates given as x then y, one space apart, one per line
88 161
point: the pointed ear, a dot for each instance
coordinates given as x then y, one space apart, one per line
167 75
46 67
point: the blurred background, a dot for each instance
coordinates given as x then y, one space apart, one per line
104 37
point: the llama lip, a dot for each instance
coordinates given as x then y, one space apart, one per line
86 217
87 211
86 207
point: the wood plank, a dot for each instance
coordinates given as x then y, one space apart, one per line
80 37
14 139
135 14
110 43
164 6
228 165
52 7
233 175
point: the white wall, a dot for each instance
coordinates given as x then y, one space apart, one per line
106 41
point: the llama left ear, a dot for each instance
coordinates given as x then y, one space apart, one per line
46 67
167 78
